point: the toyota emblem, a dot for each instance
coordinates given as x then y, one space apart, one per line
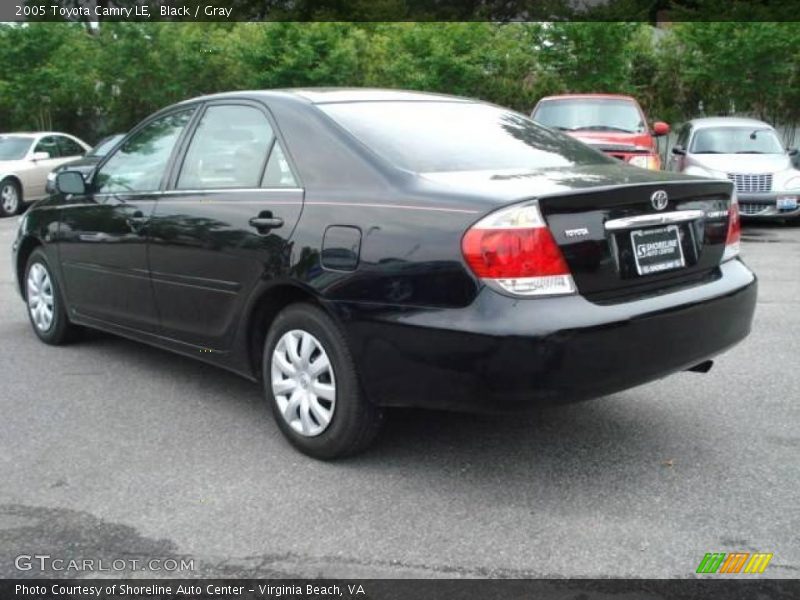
659 200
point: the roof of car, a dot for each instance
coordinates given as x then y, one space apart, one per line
30 134
569 96
324 95
35 133
727 122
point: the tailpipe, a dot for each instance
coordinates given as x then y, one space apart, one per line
703 367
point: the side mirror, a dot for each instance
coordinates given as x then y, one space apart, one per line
679 150
70 182
792 151
40 156
660 128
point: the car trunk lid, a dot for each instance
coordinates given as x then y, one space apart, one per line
640 238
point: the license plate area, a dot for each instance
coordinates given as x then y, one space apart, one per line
657 249
787 202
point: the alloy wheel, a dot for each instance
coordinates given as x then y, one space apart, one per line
40 297
303 383
10 198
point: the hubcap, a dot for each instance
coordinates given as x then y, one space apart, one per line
303 383
10 198
40 297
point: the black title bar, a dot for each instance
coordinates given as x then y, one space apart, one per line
400 10
708 588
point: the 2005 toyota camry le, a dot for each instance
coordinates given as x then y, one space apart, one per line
363 249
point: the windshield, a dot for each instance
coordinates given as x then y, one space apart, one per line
430 137
590 114
105 145
14 147
736 140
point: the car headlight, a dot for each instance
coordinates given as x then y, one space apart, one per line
646 161
793 184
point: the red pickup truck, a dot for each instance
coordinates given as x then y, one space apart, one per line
611 123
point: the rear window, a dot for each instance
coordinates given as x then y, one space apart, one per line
429 137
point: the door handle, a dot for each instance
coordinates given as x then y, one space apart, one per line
265 221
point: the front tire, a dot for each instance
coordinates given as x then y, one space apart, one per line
10 198
311 384
46 309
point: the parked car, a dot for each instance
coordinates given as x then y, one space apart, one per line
614 124
749 153
85 164
361 249
25 161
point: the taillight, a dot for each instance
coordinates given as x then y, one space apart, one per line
734 230
646 161
513 250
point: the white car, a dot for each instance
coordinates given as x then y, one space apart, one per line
747 152
25 161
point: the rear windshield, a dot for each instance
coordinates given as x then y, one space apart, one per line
590 114
13 147
429 137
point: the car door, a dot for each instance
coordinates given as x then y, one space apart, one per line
223 225
103 235
37 174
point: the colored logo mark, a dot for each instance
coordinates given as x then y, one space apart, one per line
734 562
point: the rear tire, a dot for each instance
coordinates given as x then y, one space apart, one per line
311 384
45 304
10 197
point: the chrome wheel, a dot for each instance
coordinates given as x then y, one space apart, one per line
303 383
40 297
10 198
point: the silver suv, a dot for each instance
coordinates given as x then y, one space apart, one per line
747 152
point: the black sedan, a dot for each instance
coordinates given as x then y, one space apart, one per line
86 163
362 249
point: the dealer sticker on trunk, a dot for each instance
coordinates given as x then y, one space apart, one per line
657 250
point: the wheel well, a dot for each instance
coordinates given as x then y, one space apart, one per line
27 246
272 301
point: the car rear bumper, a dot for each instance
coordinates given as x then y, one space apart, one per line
502 353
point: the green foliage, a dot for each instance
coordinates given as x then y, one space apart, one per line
749 67
91 82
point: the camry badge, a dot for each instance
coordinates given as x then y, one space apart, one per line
659 199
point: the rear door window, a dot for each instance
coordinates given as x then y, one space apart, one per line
278 172
228 150
69 147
